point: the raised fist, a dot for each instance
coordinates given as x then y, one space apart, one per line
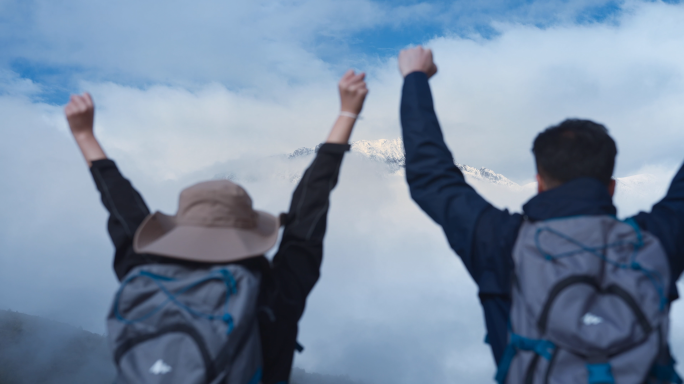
353 91
416 59
80 113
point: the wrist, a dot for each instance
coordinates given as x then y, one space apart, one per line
341 130
412 71
355 109
89 146
84 136
349 114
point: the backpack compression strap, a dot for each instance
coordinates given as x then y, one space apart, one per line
597 373
666 373
543 348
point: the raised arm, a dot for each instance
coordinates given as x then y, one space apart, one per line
482 235
301 249
296 265
125 205
666 222
435 182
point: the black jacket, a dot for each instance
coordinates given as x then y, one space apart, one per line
482 235
286 281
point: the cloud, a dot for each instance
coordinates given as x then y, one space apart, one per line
45 268
494 96
174 131
261 44
14 85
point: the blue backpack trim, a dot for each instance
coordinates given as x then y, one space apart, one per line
543 348
257 377
666 373
599 374
172 297
653 276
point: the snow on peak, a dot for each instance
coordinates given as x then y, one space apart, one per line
486 174
387 151
391 152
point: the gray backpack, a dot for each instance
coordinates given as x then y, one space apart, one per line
589 305
170 324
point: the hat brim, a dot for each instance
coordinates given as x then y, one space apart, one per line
160 234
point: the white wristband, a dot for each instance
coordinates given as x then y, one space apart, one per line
349 114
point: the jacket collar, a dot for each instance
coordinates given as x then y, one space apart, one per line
583 196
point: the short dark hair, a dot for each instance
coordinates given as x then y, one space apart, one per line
575 148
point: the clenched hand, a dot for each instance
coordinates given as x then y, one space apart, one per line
353 91
417 59
80 113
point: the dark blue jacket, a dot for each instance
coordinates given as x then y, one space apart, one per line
482 235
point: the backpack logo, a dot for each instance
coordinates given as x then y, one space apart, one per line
160 368
591 319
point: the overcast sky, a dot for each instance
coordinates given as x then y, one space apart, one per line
186 88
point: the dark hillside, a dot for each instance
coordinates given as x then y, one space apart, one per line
34 350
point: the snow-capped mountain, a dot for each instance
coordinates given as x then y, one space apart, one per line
381 163
486 174
389 160
391 152
636 183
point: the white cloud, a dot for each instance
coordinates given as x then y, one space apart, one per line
252 44
173 131
12 84
494 96
47 199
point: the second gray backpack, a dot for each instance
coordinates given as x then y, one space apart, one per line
171 325
589 306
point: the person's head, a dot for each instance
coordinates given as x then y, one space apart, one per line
573 149
215 223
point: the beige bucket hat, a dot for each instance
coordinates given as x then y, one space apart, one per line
215 222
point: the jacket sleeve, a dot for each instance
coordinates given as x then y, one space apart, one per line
127 210
482 235
437 185
666 222
296 265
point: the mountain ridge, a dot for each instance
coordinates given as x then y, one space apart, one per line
391 152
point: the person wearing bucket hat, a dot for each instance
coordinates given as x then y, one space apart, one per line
218 239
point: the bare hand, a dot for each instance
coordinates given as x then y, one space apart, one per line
80 112
353 92
416 59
